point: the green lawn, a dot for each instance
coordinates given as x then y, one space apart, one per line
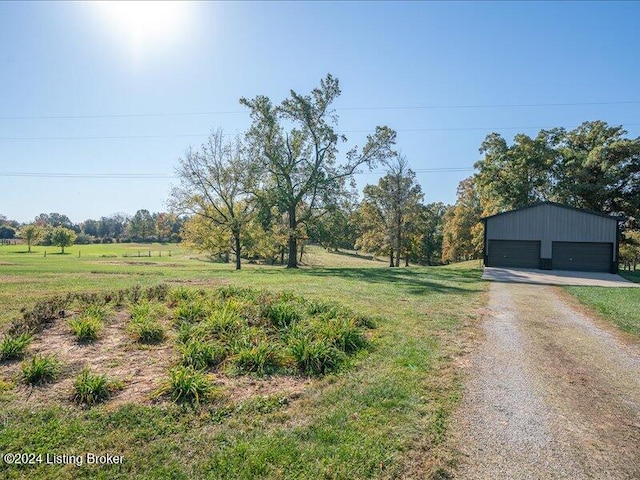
621 306
386 417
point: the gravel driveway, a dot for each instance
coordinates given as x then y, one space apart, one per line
550 393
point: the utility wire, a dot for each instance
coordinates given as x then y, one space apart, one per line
147 176
397 107
193 135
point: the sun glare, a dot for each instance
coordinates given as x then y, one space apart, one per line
144 26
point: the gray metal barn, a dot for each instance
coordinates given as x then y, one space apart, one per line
550 236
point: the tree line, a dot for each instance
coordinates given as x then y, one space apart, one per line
57 229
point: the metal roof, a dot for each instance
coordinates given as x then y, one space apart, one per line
559 205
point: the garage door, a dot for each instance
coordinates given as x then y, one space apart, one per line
514 253
582 256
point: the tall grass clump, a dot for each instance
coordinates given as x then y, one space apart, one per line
90 388
86 329
14 346
182 294
262 358
192 311
201 354
187 385
146 310
146 330
314 356
283 315
40 369
344 334
222 324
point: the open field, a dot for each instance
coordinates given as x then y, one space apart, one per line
386 416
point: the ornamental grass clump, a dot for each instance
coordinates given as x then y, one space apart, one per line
40 369
187 385
201 354
90 388
85 328
14 346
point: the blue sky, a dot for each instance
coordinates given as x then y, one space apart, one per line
77 85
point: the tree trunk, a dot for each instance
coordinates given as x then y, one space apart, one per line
391 262
406 260
238 247
292 261
301 252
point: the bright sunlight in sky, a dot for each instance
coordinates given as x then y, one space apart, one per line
146 25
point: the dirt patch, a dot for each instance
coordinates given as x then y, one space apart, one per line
142 368
115 353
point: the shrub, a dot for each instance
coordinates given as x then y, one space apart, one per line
13 346
315 356
283 315
41 369
262 358
146 330
200 355
187 385
90 388
86 329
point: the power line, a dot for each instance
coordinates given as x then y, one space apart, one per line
148 176
193 135
395 107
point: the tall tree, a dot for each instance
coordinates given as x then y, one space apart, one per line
295 146
387 208
142 225
462 230
214 185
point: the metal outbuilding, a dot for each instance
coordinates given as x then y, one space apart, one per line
551 236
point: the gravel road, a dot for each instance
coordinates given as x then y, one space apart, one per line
550 393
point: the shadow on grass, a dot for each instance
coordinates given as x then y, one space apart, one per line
417 282
631 276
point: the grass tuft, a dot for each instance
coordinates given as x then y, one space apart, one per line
14 346
40 369
90 388
86 329
187 385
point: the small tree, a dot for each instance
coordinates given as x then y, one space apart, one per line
31 234
63 237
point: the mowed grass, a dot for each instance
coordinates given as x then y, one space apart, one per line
621 306
386 417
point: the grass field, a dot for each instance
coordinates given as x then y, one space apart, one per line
620 306
384 417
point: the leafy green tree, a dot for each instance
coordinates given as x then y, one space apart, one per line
388 209
62 237
31 234
213 185
142 225
295 148
462 230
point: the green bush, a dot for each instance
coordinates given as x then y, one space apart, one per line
90 389
40 369
315 356
199 354
86 329
187 385
14 346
